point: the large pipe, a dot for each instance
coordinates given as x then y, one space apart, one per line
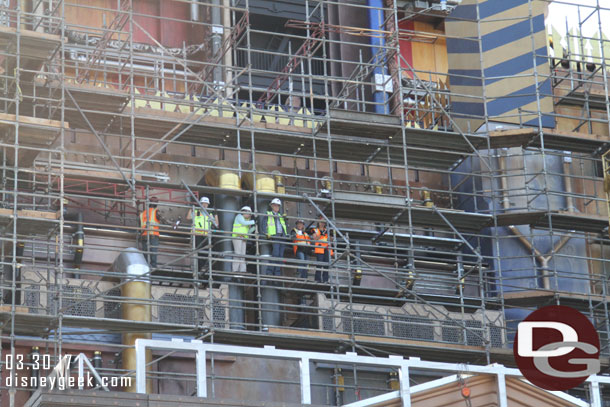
270 297
225 176
376 18
135 308
228 55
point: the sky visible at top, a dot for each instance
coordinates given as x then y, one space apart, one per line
560 11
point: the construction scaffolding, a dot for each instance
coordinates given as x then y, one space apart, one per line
462 183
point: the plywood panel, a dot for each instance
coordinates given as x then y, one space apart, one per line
441 59
429 57
90 13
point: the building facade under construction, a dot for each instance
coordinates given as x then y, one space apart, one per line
454 149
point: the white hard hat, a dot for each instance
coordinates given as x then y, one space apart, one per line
204 199
276 201
246 208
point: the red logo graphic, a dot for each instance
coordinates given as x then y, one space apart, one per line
557 348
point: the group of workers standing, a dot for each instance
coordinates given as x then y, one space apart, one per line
272 227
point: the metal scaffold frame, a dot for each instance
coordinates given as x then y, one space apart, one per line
442 235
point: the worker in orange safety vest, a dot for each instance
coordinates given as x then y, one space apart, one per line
301 248
320 236
150 219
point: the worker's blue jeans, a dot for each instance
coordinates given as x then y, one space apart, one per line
151 256
302 267
322 271
277 253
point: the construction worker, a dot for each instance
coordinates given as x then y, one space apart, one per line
301 246
320 237
149 222
274 227
243 225
202 226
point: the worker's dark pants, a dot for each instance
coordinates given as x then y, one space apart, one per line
277 253
302 269
150 252
322 270
202 254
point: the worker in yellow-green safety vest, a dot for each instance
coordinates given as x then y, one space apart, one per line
202 226
274 228
243 225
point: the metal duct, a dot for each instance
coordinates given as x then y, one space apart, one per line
136 306
227 206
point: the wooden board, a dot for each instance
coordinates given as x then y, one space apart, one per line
29 221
